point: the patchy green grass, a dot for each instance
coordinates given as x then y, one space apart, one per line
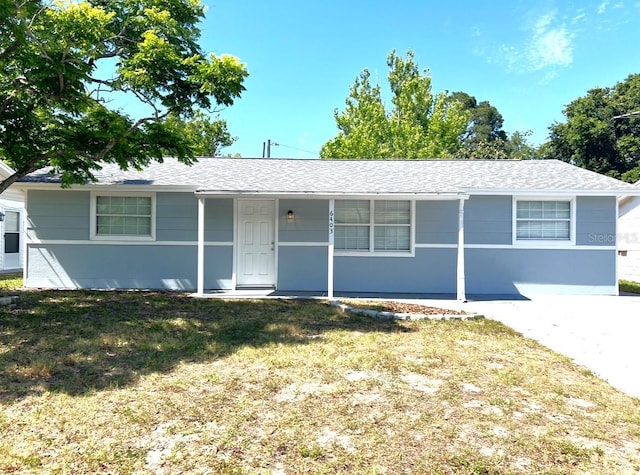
629 286
9 283
141 382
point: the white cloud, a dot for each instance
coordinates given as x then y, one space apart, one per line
548 45
603 7
580 16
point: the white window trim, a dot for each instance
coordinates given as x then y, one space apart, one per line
544 243
373 253
94 236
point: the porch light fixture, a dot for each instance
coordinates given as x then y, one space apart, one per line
1 216
290 215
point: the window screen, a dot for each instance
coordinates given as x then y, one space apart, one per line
389 231
543 220
123 215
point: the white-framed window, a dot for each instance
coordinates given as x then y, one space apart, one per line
380 227
544 220
123 216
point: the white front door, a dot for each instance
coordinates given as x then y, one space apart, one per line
12 245
256 243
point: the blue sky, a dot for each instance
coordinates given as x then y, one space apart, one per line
528 59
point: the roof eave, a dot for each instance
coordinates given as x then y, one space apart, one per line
329 194
103 186
555 192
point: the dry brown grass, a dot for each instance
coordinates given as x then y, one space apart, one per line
160 383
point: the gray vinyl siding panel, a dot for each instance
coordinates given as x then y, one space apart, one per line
177 218
58 215
436 222
65 215
430 271
127 267
596 220
509 271
488 220
311 222
302 268
218 220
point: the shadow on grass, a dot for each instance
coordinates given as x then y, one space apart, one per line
76 342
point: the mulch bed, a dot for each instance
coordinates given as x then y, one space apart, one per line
402 307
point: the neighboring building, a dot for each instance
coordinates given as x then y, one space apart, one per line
459 227
629 237
11 214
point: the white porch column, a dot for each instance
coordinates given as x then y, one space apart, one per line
332 205
460 272
200 290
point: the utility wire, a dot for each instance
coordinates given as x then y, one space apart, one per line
295 148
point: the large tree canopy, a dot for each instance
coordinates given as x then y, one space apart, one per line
419 124
485 122
601 132
63 62
207 136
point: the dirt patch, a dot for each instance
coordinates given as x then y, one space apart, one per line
404 307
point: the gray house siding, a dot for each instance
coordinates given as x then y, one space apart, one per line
487 220
302 254
513 270
55 215
430 271
57 218
436 222
310 223
302 268
596 220
126 266
522 271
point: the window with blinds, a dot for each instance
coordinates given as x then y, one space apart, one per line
123 216
373 226
543 220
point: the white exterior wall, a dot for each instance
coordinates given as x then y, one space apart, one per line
629 266
11 199
629 239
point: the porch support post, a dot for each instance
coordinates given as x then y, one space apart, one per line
616 261
461 294
200 290
332 205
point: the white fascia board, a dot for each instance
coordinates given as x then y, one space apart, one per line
570 192
105 187
5 170
332 195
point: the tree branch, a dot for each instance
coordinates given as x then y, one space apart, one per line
10 49
29 167
114 141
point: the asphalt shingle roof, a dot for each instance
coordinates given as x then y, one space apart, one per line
281 176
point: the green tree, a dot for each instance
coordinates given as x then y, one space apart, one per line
206 136
485 122
601 133
485 150
63 62
518 147
515 147
419 124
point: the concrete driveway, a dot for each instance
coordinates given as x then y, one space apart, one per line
601 333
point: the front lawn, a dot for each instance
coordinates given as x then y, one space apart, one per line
141 382
629 286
